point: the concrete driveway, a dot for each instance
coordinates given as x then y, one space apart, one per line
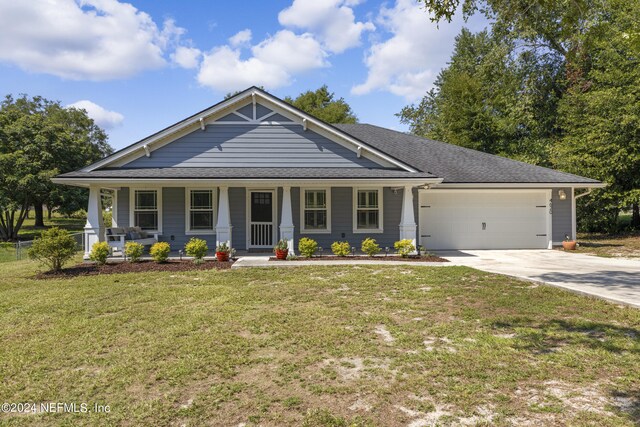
609 278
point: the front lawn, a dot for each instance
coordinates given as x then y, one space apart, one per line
334 346
606 245
7 251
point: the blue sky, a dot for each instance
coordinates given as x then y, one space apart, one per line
140 66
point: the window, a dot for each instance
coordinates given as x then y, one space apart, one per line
367 210
200 215
315 210
146 214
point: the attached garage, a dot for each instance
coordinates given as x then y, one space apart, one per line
485 219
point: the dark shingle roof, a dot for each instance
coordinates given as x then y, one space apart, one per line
453 163
248 173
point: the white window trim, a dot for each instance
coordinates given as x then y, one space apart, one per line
132 206
354 203
187 211
302 208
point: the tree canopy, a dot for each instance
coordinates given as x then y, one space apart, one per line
38 140
555 83
321 104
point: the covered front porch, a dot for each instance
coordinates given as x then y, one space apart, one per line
252 218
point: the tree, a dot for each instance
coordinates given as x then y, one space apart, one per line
38 140
491 98
321 104
600 113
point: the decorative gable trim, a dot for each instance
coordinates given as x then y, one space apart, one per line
231 106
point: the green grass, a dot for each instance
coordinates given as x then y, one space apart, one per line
610 245
7 252
310 346
28 231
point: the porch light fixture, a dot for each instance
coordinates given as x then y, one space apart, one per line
562 195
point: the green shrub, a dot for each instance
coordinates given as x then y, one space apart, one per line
133 251
307 247
160 252
100 252
54 248
404 247
107 219
341 248
79 214
196 248
370 247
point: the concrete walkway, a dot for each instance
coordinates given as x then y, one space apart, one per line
613 279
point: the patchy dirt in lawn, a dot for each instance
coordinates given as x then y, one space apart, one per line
411 258
90 269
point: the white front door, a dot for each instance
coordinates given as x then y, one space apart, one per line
483 219
261 224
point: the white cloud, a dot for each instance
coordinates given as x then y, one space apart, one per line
86 39
332 21
104 118
407 63
186 57
241 38
272 64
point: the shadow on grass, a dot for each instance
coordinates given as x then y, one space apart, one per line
600 245
628 402
552 335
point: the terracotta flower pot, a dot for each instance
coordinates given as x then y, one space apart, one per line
569 245
222 256
282 254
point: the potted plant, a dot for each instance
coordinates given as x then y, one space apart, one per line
223 251
281 249
568 244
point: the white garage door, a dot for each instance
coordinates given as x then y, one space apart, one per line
483 219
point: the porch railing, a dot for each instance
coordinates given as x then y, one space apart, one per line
262 234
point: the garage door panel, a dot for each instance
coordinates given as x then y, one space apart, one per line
454 220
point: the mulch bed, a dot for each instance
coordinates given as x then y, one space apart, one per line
411 258
90 269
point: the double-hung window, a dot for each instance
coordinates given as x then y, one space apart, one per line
146 213
367 210
200 215
315 210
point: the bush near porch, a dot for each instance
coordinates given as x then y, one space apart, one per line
367 345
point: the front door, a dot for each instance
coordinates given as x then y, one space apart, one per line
261 218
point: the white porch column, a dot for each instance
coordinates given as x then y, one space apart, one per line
407 220
94 228
223 227
286 224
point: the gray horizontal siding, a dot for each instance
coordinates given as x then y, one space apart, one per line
252 146
123 207
342 219
238 207
561 215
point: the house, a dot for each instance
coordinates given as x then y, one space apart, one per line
252 169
